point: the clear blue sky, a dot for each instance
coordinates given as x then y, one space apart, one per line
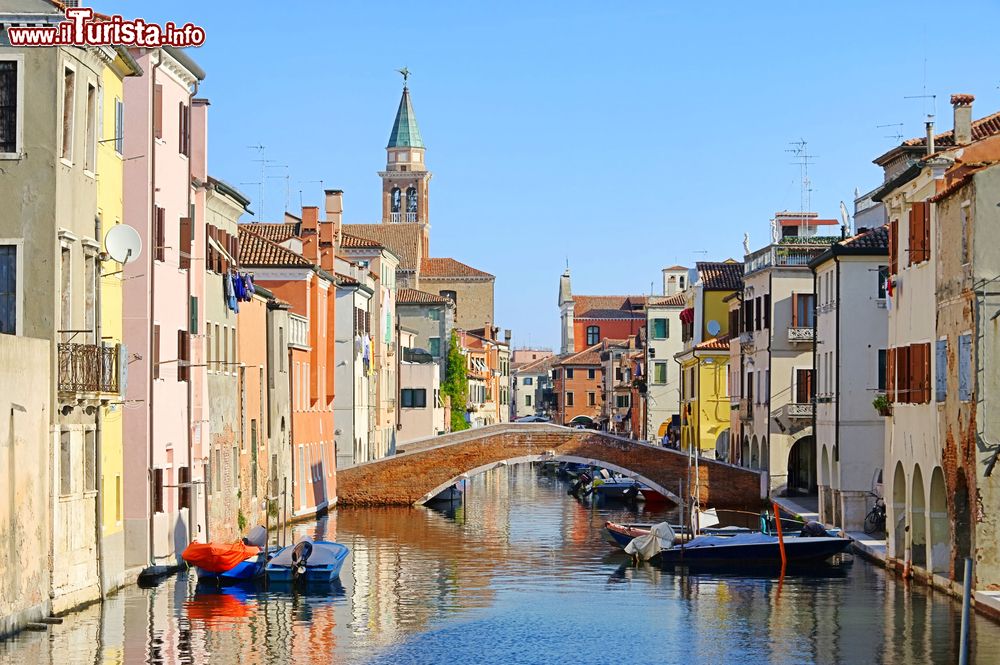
624 138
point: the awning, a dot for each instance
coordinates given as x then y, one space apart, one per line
687 315
662 430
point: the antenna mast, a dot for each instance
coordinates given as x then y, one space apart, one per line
800 149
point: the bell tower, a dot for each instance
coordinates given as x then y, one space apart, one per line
406 180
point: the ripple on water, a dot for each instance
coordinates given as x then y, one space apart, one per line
517 573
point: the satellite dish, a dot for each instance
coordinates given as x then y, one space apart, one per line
713 327
123 243
845 218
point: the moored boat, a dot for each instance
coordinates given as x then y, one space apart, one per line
228 562
307 560
753 549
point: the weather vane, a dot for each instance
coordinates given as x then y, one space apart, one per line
406 75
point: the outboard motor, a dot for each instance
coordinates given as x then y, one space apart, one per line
581 481
631 494
813 530
300 555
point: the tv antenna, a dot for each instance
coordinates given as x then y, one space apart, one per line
307 182
897 136
262 151
285 177
800 149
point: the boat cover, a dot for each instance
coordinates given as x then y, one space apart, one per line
217 557
660 537
257 536
323 554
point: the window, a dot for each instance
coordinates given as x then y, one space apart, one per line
186 235
65 463
411 200
618 374
965 367
758 311
591 374
941 369
90 296
622 401
434 314
919 232
66 274
435 346
893 247
591 399
920 385
414 398
593 335
803 386
8 288
159 233
184 128
119 126
158 111
183 358
11 105
156 351
965 234
569 372
157 490
883 281
803 310
91 156
767 311
89 461
569 399
184 487
253 456
527 400
881 369
660 373
282 349
660 328
69 85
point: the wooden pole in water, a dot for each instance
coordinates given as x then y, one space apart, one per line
781 537
963 647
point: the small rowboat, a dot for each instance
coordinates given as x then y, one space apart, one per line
307 561
224 563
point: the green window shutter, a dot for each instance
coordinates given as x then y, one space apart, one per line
193 326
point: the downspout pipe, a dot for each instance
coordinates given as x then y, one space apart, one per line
152 309
98 441
192 266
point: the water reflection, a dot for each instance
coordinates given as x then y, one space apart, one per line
515 573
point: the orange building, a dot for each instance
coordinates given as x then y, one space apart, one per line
577 385
310 290
587 320
253 371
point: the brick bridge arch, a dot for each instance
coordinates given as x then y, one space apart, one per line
423 468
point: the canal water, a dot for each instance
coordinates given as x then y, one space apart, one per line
517 573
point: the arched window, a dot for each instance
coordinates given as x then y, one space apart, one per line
395 199
411 199
593 335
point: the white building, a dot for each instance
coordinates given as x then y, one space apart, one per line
352 404
851 324
421 411
663 342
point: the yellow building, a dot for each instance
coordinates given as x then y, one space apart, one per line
110 195
704 362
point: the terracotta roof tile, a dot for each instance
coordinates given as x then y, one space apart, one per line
540 366
346 280
676 300
258 251
449 268
714 344
877 238
589 356
349 240
606 314
584 305
403 240
721 275
981 129
676 268
275 232
958 177
415 297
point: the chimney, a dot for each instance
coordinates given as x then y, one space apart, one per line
962 106
507 336
310 238
335 209
930 136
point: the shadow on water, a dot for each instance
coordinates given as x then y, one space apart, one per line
516 573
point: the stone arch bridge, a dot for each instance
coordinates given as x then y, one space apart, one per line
422 469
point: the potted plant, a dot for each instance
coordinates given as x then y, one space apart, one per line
882 405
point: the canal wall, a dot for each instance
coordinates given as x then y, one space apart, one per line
25 411
422 468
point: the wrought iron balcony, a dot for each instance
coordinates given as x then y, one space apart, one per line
411 217
394 217
799 410
746 340
800 334
88 368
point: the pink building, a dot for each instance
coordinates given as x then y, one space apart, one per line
160 314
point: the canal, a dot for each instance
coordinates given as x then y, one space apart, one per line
518 573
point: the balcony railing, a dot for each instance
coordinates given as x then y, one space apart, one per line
799 410
397 217
800 334
394 217
88 368
298 330
746 340
789 254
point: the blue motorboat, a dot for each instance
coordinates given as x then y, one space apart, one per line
307 561
746 549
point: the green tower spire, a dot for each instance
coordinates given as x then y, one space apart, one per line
405 133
